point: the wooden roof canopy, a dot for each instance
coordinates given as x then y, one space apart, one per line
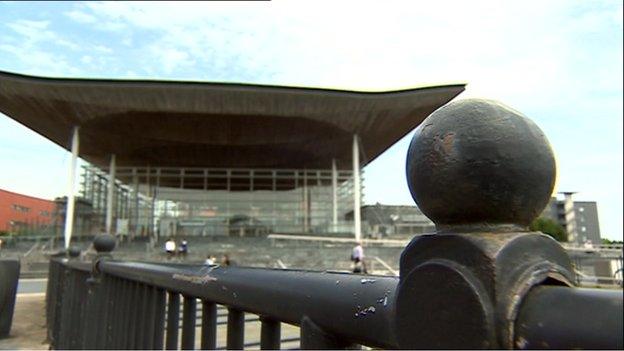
196 124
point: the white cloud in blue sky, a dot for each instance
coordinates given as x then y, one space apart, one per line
559 62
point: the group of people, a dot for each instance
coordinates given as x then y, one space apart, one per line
225 260
172 248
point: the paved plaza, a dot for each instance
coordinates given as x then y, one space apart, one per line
29 326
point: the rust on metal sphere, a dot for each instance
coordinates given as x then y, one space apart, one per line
104 243
480 164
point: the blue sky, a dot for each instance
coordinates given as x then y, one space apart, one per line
558 62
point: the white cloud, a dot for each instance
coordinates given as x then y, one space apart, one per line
27 50
67 44
367 46
171 59
35 61
86 59
102 49
80 16
31 30
36 32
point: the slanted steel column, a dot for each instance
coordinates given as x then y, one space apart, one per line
356 189
109 197
69 209
305 202
334 195
155 192
135 195
148 211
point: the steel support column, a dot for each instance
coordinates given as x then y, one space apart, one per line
334 195
69 212
357 224
305 202
135 200
109 197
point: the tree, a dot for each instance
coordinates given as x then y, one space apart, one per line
549 227
611 242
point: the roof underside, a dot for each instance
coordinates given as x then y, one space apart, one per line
190 124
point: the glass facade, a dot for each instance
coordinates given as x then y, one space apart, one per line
245 202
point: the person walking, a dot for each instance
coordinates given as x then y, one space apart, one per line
170 248
226 261
183 249
357 257
210 260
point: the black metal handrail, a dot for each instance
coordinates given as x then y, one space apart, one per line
556 317
353 305
345 308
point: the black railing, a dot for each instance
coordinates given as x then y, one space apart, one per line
479 170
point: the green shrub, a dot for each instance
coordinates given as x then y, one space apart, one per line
549 227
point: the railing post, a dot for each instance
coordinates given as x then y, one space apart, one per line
235 329
189 316
96 308
315 338
52 296
140 321
173 321
66 309
135 304
159 319
481 172
118 313
209 326
270 334
126 308
55 319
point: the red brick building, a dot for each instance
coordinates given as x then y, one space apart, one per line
18 211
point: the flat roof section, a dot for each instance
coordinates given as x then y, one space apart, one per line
195 124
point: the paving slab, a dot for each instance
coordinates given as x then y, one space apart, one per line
28 331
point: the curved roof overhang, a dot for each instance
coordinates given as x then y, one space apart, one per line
195 124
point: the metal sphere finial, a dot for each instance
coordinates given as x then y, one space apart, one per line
73 251
104 243
476 164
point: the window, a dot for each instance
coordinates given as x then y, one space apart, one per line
583 229
17 224
20 208
44 213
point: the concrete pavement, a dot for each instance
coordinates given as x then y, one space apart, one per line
36 285
28 331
